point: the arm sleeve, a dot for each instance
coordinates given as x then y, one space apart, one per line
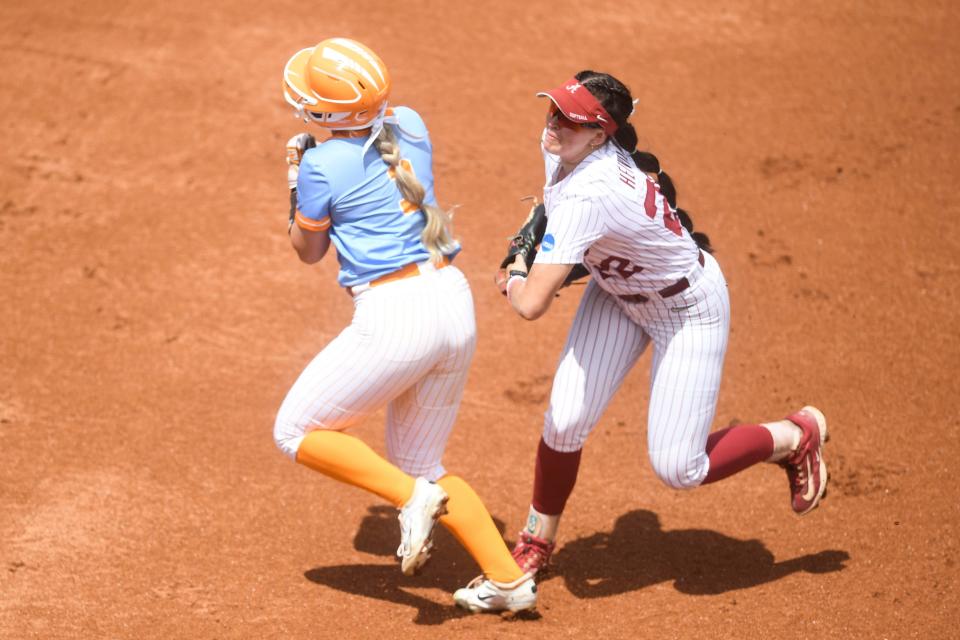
572 227
314 198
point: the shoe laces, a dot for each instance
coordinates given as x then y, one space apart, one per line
800 479
796 470
403 549
476 582
526 550
533 542
532 550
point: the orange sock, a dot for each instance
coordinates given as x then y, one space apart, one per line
350 460
470 523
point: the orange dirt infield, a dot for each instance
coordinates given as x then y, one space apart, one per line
154 316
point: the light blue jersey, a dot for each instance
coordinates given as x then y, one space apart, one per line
375 231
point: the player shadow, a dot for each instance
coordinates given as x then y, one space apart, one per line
638 553
450 568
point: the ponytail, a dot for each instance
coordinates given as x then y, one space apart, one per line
436 235
616 99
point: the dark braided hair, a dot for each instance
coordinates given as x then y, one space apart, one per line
616 99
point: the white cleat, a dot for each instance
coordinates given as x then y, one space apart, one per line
486 595
417 519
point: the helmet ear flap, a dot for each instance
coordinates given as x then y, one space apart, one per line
298 110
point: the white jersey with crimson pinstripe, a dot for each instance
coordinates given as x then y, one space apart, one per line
650 284
611 216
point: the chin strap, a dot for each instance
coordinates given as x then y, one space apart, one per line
376 126
384 117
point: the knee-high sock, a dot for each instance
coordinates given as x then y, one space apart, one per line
735 448
554 477
350 460
470 523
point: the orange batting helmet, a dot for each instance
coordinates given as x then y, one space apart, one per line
338 84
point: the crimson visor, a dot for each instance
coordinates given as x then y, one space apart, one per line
577 104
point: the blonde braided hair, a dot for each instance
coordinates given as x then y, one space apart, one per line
436 235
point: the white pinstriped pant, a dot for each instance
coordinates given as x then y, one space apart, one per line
689 334
408 347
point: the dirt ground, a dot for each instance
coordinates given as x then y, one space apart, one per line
153 317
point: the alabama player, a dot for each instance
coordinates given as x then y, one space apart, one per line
368 190
653 283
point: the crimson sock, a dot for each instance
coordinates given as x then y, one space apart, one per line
555 475
735 448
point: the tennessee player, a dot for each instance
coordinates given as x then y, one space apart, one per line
368 190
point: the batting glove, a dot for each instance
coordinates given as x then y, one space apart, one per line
296 147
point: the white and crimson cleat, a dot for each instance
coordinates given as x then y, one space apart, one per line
484 595
532 554
417 519
806 470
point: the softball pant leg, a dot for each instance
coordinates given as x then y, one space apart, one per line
408 348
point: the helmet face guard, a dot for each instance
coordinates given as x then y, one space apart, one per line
338 84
